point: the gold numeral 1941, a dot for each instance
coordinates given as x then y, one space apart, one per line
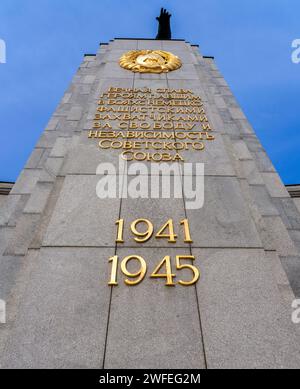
143 231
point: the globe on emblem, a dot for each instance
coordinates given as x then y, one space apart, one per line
150 61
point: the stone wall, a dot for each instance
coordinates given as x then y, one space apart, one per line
56 237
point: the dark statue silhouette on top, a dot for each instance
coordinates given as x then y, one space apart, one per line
164 29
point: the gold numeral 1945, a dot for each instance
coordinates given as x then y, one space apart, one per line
137 277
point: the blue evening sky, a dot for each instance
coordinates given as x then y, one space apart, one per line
250 39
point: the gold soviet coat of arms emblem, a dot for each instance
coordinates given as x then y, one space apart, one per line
150 61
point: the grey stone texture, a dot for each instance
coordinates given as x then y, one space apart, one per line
291 265
224 220
152 326
56 237
80 218
245 322
297 202
156 210
2 200
9 268
214 157
63 316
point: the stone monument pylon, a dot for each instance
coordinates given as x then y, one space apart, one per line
148 282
